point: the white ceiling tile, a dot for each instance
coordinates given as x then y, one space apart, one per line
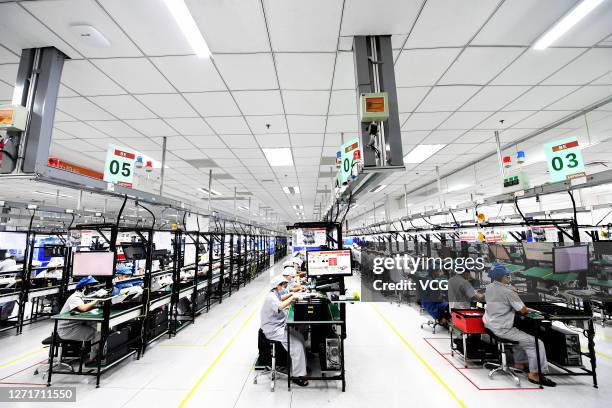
247 71
343 103
535 65
424 121
342 123
464 120
60 15
582 98
423 67
307 140
588 32
239 140
446 98
137 75
78 145
123 106
80 130
539 97
541 119
62 117
152 127
335 139
83 77
306 124
447 23
478 65
413 137
259 124
291 24
474 136
243 153
457 149
102 143
533 17
493 98
82 109
603 80
8 72
510 118
190 126
392 16
273 140
306 102
409 98
168 105
65 92
441 137
175 143
6 91
207 142
115 128
235 125
344 73
141 144
259 102
190 73
306 71
6 56
307 152
213 103
189 154
231 25
584 69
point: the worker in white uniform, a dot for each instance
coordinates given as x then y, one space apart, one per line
9 264
502 304
274 327
80 330
293 282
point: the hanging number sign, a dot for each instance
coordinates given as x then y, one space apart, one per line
564 159
119 167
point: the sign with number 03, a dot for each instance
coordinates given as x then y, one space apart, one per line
119 167
564 159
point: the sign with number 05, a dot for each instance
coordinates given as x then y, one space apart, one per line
564 159
119 167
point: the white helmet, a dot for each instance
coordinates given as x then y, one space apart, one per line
277 280
289 271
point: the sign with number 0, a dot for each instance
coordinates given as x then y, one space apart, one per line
564 159
350 155
119 167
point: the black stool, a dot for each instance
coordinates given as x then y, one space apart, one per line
502 367
272 354
66 352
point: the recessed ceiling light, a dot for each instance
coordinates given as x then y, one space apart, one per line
212 192
279 156
567 22
243 208
187 24
378 188
422 152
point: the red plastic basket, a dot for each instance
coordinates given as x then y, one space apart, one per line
469 320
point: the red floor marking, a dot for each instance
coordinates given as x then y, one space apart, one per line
23 383
23 369
459 370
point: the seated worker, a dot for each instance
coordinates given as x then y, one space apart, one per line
502 303
80 330
293 283
9 264
274 327
461 292
433 301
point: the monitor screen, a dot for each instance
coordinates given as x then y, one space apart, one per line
189 254
499 252
134 252
602 248
571 259
93 263
333 262
538 251
52 251
162 240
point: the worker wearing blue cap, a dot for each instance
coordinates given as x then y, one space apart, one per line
502 303
80 330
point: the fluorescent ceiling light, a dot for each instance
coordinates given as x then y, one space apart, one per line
291 190
378 188
243 208
187 24
458 187
422 152
52 194
212 192
567 22
279 157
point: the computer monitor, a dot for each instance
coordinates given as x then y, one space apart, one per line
52 251
538 251
189 254
93 263
331 262
568 259
134 252
162 240
161 254
499 252
602 248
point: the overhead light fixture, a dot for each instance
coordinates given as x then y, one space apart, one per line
458 187
567 22
187 24
291 190
212 192
52 194
422 152
243 208
279 156
378 188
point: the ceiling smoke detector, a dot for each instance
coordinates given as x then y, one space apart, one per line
90 36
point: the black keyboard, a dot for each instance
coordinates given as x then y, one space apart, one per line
549 309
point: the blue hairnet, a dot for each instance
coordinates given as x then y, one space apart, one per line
498 271
86 281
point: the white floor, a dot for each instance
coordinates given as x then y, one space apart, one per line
389 363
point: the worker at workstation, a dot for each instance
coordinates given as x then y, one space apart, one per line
502 304
460 290
9 264
293 282
433 301
80 330
274 327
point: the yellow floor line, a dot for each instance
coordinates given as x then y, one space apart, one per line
21 357
219 357
418 356
599 353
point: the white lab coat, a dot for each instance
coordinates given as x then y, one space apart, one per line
274 327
